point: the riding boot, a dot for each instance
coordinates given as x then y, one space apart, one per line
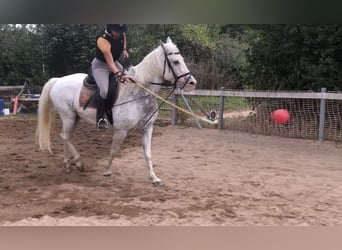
101 121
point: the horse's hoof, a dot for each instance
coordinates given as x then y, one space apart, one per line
157 184
67 170
107 173
80 167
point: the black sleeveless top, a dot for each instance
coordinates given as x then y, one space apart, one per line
116 46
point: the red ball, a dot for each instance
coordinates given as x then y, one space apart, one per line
281 116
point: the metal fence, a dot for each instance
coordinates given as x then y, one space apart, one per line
316 116
9 92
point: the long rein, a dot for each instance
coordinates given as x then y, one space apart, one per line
164 100
173 85
205 119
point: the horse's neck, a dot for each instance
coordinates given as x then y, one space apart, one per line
150 69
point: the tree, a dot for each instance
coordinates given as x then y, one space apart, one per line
68 48
212 53
294 57
19 54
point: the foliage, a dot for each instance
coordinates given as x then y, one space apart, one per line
68 48
294 57
287 57
20 55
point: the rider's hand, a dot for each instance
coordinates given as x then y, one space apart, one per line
122 77
125 78
125 54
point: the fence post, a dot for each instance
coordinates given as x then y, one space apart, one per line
322 116
221 107
174 115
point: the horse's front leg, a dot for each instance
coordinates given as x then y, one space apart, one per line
147 142
118 137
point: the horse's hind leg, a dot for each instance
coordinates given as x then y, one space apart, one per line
69 125
77 157
146 141
66 160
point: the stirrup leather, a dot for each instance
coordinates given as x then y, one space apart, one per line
102 123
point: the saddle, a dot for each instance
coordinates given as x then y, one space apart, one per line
89 94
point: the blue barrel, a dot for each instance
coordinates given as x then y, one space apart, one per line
1 107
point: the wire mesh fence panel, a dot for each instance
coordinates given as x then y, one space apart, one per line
333 120
257 119
165 110
202 106
9 92
251 112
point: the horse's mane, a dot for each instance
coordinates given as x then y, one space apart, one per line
147 70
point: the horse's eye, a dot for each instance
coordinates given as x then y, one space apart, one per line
176 62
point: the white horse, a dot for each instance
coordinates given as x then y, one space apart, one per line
135 108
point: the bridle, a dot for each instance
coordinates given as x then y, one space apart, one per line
176 77
173 85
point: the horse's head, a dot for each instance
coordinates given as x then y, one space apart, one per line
175 69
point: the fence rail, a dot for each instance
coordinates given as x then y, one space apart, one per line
263 94
314 115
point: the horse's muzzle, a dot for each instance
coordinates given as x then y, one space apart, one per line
190 83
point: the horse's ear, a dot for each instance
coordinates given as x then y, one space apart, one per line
168 40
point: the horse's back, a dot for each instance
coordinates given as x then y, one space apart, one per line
72 79
66 89
69 83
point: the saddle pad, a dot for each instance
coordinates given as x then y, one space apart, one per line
85 95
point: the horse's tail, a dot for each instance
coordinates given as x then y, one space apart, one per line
45 115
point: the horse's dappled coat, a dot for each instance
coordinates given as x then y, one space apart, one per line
62 95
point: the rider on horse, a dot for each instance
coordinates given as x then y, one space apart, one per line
110 44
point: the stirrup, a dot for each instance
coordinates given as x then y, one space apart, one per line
102 123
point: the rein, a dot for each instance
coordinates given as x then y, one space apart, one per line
205 119
173 85
151 93
133 100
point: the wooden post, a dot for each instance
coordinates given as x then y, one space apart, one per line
15 105
322 116
221 107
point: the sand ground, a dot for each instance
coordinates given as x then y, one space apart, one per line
210 177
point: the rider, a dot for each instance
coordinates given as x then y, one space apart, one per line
110 44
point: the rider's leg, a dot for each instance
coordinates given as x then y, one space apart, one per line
101 74
101 121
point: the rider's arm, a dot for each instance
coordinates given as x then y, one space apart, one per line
125 52
124 41
105 47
